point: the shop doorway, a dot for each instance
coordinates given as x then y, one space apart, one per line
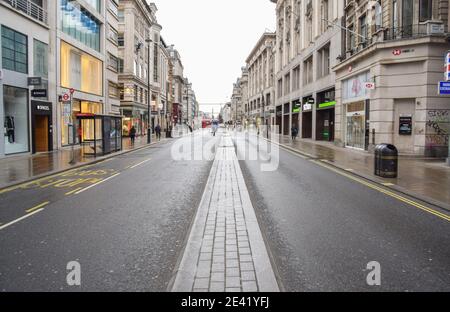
286 130
325 125
307 125
356 125
42 135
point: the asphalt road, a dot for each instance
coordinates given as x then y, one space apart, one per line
124 220
323 228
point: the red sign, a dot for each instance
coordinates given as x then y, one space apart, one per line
66 97
72 90
350 68
397 52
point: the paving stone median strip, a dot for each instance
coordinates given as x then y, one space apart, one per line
219 254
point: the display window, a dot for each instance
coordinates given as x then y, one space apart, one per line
16 121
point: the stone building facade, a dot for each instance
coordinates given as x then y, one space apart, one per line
387 80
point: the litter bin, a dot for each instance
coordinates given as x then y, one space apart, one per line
386 161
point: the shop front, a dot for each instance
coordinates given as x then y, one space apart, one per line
357 111
307 117
325 115
278 118
42 126
16 120
296 111
137 119
286 117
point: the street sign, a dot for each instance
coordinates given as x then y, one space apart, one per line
37 93
66 97
444 88
72 90
34 81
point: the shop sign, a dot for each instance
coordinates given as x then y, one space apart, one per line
369 85
34 81
307 107
397 52
45 108
405 125
327 104
39 93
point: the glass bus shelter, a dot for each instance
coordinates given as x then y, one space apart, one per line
99 134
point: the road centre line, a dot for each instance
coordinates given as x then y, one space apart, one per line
20 219
93 185
141 163
37 207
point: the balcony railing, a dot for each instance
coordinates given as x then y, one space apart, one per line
29 8
400 33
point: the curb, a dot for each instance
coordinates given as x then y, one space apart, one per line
81 165
397 188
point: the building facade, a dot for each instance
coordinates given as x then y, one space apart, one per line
308 44
387 81
27 106
178 86
260 66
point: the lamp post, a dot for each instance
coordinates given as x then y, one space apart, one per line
149 94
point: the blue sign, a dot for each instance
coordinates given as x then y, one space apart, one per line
444 87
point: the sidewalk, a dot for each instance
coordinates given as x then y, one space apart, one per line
225 251
426 179
17 169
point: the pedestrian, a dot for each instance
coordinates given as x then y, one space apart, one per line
158 132
133 135
294 132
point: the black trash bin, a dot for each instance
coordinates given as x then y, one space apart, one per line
386 161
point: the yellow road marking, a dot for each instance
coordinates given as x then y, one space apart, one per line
37 207
74 191
141 163
389 193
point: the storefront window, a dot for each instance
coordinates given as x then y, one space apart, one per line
353 88
16 129
356 125
80 71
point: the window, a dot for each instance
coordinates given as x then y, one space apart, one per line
280 88
323 64
14 50
121 40
113 35
296 78
155 59
40 53
363 29
80 24
120 65
112 6
15 107
287 84
95 4
113 62
308 71
378 16
113 90
425 10
80 70
135 68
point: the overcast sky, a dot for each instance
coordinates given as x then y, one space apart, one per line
214 37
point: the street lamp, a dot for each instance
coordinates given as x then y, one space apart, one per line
149 94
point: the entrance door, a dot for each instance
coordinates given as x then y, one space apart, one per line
41 130
307 125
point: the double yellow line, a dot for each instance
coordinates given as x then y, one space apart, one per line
375 187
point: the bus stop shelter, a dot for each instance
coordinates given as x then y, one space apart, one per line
99 134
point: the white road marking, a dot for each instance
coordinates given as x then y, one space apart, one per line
141 163
20 219
93 185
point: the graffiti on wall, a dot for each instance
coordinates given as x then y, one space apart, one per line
438 127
